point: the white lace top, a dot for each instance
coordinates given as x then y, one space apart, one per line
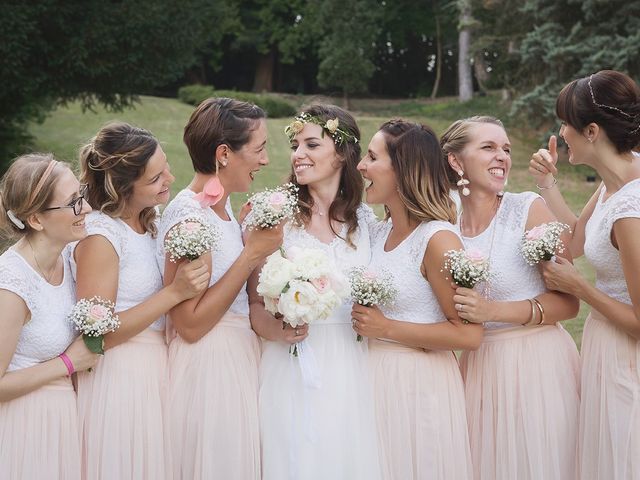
48 332
139 277
511 278
344 256
605 258
415 301
184 206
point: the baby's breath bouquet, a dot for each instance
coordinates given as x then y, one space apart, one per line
272 206
190 239
467 267
369 288
94 317
542 242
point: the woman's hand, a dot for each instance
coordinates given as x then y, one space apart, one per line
293 335
369 321
543 164
191 278
562 276
81 357
262 242
473 307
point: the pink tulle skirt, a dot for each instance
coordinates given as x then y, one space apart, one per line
213 404
420 413
522 390
121 410
39 434
610 408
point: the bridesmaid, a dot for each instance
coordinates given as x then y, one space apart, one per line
120 403
41 203
601 126
213 389
522 384
320 426
419 395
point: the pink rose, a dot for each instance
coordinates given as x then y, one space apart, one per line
369 275
475 255
277 200
321 283
535 233
191 227
98 313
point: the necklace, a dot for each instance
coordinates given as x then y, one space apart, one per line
38 264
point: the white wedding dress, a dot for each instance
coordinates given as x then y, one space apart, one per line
321 425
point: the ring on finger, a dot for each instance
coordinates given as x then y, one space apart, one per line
297 332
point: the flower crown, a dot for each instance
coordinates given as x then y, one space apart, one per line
332 126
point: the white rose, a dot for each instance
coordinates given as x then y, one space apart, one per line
275 275
298 304
271 305
327 302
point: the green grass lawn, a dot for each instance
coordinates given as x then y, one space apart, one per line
67 128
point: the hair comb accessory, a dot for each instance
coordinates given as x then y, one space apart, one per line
593 98
15 220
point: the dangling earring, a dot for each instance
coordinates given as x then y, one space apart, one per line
501 192
463 182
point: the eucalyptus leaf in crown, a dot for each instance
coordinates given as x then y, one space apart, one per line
331 126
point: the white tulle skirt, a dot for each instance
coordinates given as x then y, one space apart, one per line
610 408
121 410
316 410
523 397
420 413
39 435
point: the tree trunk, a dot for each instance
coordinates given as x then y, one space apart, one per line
480 71
436 84
263 80
346 101
465 83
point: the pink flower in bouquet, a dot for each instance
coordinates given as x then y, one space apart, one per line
535 233
321 284
475 255
97 313
191 227
277 200
369 275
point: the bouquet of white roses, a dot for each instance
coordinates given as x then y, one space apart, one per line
272 206
190 239
467 267
369 288
94 317
542 242
301 285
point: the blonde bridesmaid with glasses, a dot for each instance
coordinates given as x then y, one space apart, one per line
522 384
601 126
121 402
42 205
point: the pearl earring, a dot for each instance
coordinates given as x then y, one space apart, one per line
463 182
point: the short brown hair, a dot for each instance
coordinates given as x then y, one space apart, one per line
617 110
110 164
18 185
215 122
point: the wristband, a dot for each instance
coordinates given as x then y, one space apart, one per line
68 363
555 180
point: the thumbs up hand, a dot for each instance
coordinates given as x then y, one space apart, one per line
543 164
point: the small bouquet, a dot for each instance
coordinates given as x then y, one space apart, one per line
369 288
272 206
467 267
542 242
302 286
190 239
94 318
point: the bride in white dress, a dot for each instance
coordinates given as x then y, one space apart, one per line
320 425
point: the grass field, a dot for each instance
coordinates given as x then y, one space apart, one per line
68 128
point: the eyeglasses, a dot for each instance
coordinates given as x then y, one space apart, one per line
76 204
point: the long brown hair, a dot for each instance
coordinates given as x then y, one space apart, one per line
344 207
110 164
420 170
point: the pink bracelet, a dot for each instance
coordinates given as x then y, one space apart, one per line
68 363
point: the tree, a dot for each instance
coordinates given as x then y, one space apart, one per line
96 51
465 79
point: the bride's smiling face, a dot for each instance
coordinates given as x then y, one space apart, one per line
313 156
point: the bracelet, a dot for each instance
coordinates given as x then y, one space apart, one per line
555 180
541 308
533 314
68 363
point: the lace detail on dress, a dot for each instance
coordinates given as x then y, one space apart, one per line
98 223
605 258
48 332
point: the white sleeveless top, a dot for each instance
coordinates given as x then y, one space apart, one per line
139 277
415 301
229 248
605 258
511 278
49 331
343 255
